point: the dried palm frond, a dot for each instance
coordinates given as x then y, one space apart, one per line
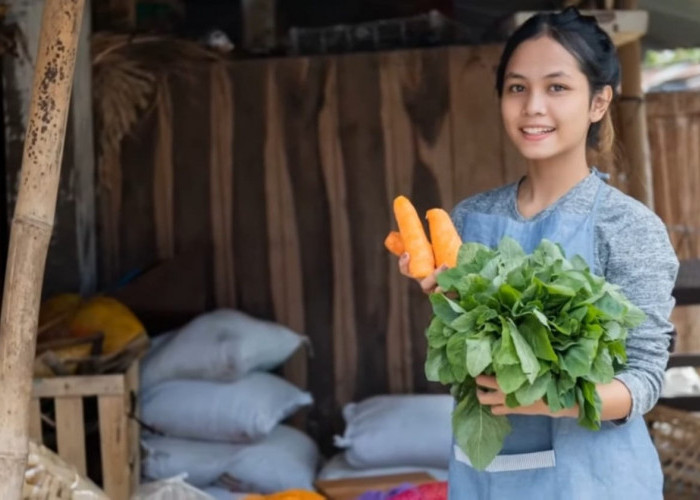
127 74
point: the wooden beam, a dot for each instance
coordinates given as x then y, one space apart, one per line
623 26
633 120
31 232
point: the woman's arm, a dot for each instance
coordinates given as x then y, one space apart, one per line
615 398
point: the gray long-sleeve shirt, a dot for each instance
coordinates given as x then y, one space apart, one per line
633 251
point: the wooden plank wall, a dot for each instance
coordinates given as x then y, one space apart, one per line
289 181
674 138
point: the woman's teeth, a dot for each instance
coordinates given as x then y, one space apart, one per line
537 130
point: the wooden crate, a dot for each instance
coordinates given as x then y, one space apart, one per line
351 488
119 434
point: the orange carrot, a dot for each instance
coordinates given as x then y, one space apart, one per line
422 262
394 243
444 237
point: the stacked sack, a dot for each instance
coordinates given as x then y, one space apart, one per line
213 411
394 434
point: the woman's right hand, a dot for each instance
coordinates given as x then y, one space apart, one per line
427 284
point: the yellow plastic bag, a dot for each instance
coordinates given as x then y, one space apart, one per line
109 316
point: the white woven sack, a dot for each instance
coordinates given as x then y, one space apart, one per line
221 345
285 459
241 411
398 430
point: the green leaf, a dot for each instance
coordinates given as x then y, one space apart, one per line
444 308
548 252
553 400
579 358
478 355
508 296
602 371
617 351
537 336
434 361
528 360
609 307
589 405
529 393
434 333
510 249
472 256
478 432
457 355
512 401
579 263
510 378
634 316
613 330
505 353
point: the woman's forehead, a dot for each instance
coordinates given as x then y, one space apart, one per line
543 57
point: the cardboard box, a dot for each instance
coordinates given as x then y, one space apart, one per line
350 489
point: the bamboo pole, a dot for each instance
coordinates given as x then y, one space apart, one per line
633 121
31 231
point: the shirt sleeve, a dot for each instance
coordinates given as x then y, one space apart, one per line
643 263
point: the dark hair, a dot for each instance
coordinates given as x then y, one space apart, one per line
588 43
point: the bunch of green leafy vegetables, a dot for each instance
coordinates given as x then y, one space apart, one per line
544 325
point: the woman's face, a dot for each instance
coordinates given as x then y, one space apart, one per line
546 103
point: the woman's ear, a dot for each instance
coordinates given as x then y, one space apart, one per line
600 103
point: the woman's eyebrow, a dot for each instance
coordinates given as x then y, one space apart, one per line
556 74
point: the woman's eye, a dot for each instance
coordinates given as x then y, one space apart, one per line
516 88
557 88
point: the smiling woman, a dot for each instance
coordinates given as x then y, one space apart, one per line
556 79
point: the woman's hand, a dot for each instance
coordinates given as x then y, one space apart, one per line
494 397
427 284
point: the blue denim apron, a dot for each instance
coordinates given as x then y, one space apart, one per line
547 458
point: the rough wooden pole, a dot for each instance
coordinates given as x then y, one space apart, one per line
633 121
31 231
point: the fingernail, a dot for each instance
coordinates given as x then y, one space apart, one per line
404 255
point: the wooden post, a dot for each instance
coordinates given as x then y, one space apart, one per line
31 232
633 121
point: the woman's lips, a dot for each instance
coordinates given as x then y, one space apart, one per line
537 133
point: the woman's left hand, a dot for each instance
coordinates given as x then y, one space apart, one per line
496 399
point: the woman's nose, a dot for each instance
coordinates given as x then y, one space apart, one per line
534 104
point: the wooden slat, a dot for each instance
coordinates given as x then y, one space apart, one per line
220 184
132 391
114 446
163 173
70 431
345 339
193 145
283 238
672 104
35 420
399 160
78 386
250 244
361 137
299 85
476 120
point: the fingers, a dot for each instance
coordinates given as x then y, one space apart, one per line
427 284
492 396
403 264
487 382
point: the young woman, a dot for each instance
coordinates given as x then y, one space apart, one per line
557 77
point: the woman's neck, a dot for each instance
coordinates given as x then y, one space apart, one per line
549 180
